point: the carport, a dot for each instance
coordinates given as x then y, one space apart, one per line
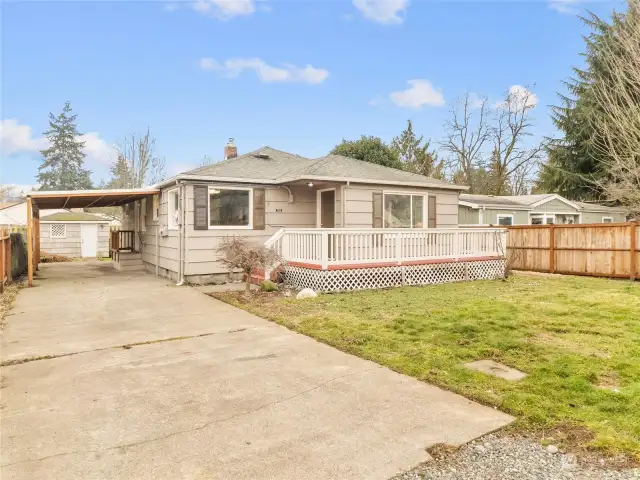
44 200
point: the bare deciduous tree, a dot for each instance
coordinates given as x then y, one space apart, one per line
616 92
466 134
137 165
512 162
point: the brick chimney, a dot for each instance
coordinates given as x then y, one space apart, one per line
230 149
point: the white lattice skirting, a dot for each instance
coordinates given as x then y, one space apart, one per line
384 277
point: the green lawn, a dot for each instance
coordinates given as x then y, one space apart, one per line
577 338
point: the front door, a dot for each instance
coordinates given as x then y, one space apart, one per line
89 239
328 209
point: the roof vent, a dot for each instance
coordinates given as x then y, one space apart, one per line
264 156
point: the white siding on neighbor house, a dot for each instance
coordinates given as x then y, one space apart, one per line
359 204
71 245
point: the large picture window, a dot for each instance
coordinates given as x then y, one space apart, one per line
403 210
229 207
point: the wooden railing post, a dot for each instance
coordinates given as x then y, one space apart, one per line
552 251
632 251
398 237
324 249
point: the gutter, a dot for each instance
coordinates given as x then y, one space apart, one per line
211 178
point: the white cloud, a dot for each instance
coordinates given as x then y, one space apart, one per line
266 73
475 100
570 7
420 93
170 7
18 190
518 96
382 11
224 9
16 138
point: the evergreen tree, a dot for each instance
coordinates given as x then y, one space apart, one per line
61 167
370 149
415 156
574 168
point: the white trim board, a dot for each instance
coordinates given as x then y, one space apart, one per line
555 196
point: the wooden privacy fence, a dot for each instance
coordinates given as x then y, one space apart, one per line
5 257
599 250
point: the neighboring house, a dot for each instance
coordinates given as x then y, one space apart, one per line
257 194
532 210
15 213
74 234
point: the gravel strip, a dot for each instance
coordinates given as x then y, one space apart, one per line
505 458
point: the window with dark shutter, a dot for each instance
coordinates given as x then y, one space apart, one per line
432 212
377 210
259 221
200 218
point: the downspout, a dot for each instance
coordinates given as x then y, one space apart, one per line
158 245
180 235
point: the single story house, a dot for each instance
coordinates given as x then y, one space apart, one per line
533 210
15 213
74 234
338 223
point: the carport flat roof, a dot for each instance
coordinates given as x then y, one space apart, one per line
88 198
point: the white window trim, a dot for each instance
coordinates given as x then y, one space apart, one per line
544 217
51 235
505 215
231 227
170 224
425 207
155 203
607 218
319 206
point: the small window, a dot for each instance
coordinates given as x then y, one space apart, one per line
536 220
156 207
230 207
173 209
403 211
549 220
58 230
505 220
607 219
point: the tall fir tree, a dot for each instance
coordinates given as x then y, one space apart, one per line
415 155
574 166
62 163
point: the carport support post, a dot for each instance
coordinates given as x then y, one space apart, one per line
29 242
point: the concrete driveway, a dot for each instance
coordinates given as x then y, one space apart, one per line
207 391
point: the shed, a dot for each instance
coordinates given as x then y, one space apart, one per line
75 234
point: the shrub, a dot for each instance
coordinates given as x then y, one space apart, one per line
268 286
236 253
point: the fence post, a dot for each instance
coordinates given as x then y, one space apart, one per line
3 259
324 243
632 251
552 247
398 248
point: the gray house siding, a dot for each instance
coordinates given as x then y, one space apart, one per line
490 216
596 217
71 245
468 216
359 204
554 206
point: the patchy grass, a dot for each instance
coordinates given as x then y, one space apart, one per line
6 301
578 339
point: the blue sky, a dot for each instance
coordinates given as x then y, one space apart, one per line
294 75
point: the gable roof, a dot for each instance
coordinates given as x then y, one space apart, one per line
254 165
335 167
490 200
73 217
528 202
270 166
11 204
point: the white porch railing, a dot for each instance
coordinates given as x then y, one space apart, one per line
346 246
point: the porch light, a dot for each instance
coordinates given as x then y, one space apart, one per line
310 184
